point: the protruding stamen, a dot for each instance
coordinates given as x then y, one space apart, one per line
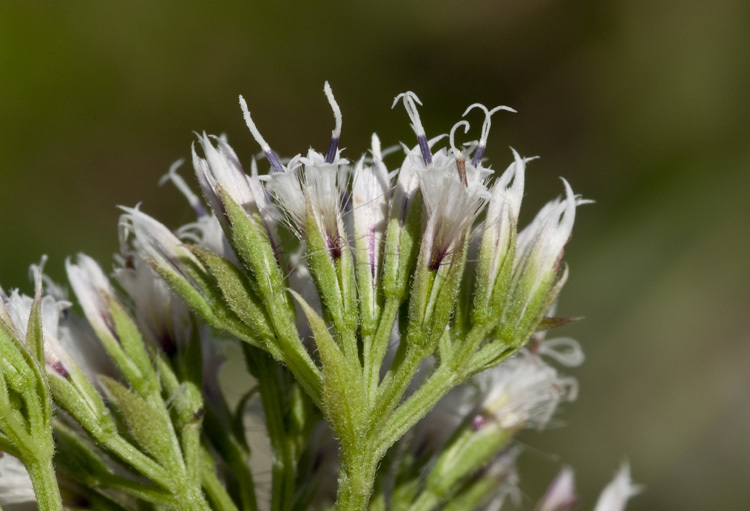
183 188
485 128
336 133
410 104
452 136
271 156
460 160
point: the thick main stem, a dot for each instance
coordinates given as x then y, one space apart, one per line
44 481
356 480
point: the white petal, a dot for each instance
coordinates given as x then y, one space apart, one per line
615 496
561 494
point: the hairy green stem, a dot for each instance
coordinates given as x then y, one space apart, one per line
44 481
356 480
266 371
376 351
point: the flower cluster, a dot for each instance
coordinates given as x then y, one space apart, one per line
392 322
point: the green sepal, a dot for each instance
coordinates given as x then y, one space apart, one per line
491 291
77 396
336 285
526 313
212 310
27 378
401 248
238 293
433 300
145 424
475 494
466 453
18 365
251 242
192 296
370 300
132 343
187 412
34 333
344 396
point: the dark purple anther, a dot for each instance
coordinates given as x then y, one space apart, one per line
332 147
273 159
425 148
478 155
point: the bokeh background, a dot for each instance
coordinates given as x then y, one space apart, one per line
644 106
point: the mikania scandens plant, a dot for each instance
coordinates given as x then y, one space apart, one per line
393 321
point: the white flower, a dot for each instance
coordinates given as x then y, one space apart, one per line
206 231
407 184
16 311
539 253
161 315
15 486
221 172
561 494
454 193
68 342
370 189
156 243
616 494
314 185
522 392
502 218
94 292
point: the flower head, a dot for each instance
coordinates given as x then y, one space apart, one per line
522 392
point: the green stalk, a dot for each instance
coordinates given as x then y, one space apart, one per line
216 492
396 383
44 481
265 369
449 374
427 501
377 349
356 481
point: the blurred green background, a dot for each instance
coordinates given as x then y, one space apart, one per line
642 105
